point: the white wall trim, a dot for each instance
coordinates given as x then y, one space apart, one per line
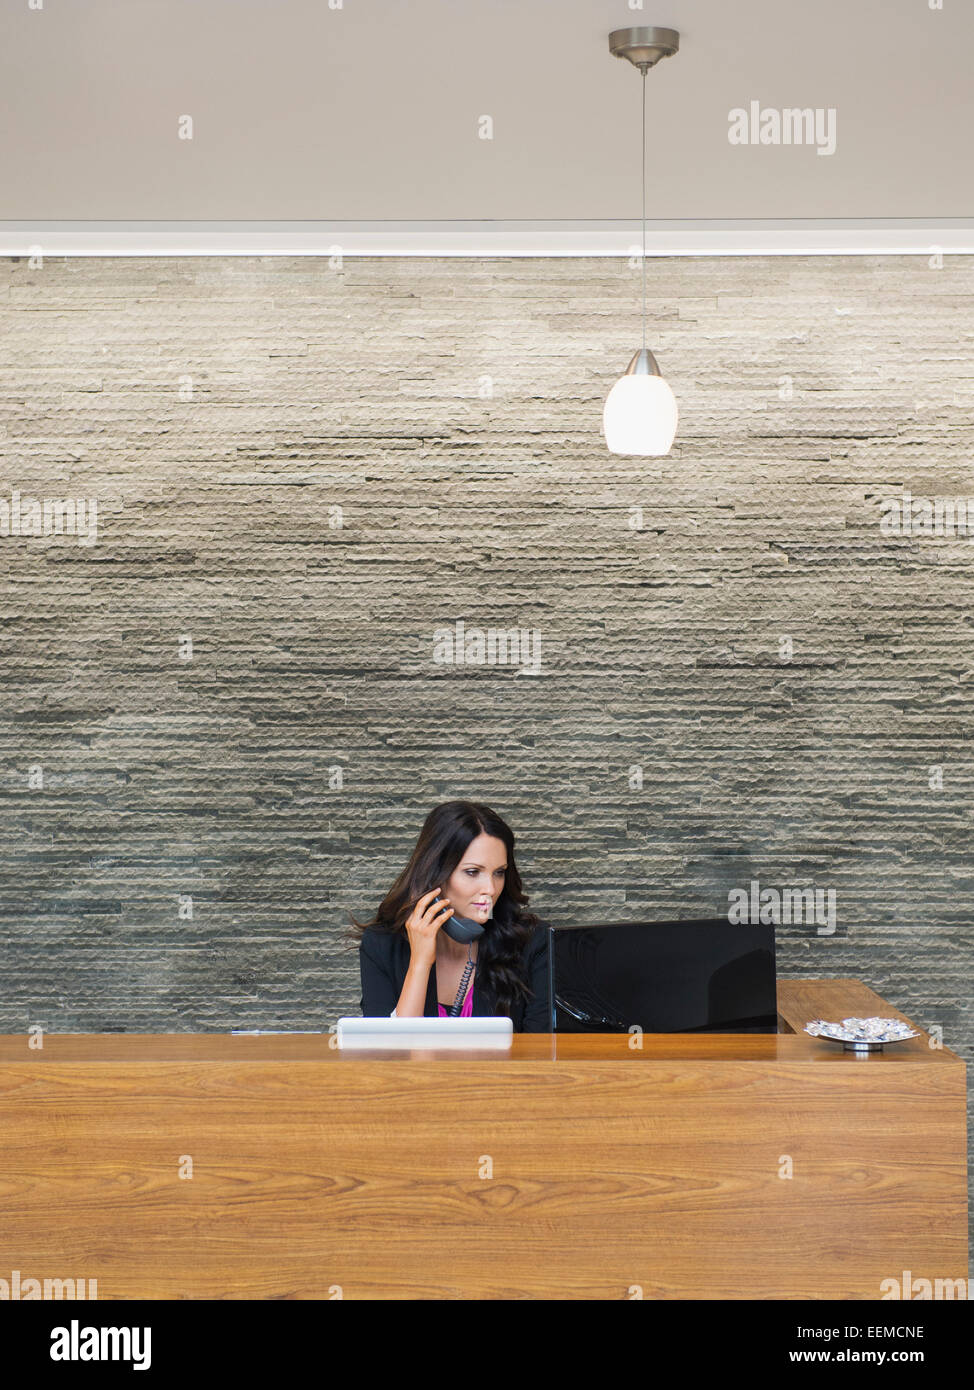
863 237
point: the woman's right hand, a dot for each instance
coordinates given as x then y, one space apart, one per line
424 922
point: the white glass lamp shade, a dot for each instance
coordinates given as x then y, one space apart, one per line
640 414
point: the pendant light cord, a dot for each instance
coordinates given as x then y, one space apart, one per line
644 207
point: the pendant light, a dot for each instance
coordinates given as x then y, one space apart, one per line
640 411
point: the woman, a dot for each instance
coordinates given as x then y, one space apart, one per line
462 865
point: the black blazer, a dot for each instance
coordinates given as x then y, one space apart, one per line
384 960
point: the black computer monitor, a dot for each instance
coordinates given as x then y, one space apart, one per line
708 976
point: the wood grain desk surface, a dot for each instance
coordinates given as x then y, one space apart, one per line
619 1166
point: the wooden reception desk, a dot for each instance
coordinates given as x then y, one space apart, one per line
750 1166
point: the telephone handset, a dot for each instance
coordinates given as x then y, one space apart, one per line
461 929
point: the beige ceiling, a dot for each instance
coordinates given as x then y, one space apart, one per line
369 112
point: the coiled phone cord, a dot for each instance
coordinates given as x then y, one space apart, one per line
454 1010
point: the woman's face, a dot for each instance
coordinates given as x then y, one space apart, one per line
478 880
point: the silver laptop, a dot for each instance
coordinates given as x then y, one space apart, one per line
489 1034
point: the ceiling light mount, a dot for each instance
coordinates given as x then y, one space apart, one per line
644 46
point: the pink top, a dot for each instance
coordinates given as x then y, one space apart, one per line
466 1011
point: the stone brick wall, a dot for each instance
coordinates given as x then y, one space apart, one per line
229 706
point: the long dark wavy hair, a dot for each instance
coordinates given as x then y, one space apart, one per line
443 841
